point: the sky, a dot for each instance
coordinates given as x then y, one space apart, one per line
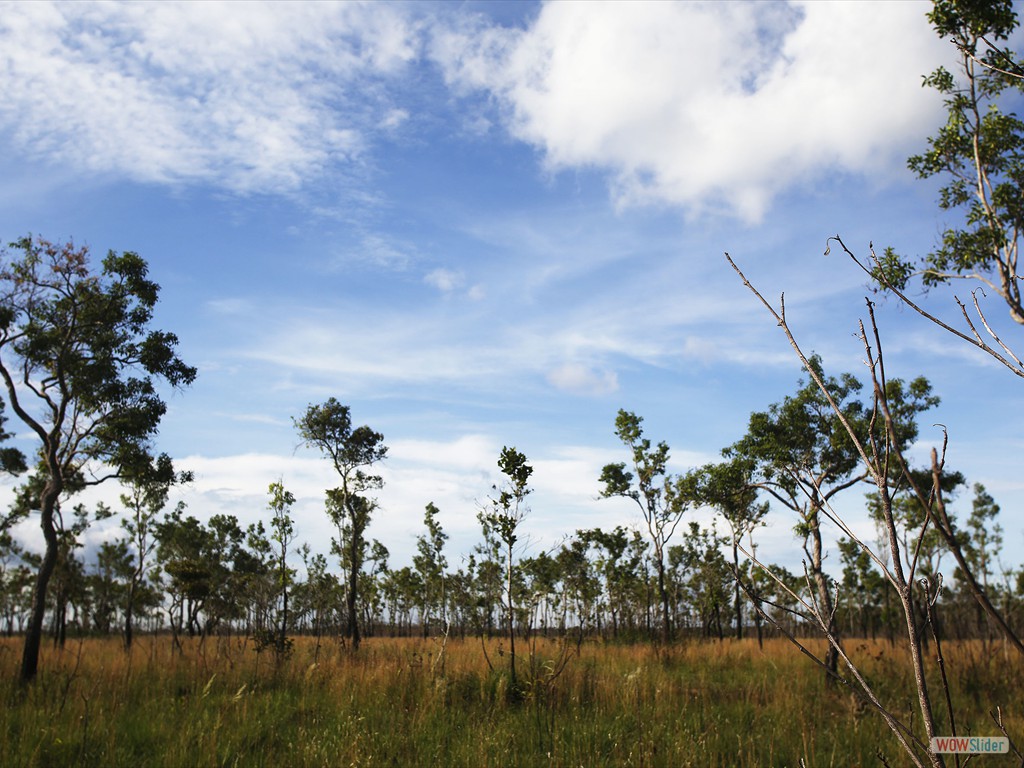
482 224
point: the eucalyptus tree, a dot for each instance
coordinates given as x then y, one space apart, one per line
108 584
541 578
799 452
401 590
502 518
700 577
80 365
659 495
143 501
328 427
978 154
982 545
69 586
431 564
985 535
864 588
728 488
182 553
214 571
618 570
318 594
580 582
282 534
15 579
371 597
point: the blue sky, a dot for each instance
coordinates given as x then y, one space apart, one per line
488 224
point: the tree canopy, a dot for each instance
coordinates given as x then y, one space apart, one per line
80 365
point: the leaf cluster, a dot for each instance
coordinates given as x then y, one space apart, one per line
78 358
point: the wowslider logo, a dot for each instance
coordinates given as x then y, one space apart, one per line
970 745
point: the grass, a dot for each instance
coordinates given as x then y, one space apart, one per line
700 704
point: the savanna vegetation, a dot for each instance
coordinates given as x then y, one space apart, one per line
202 642
420 702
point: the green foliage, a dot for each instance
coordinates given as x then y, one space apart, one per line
984 540
799 450
431 564
80 345
328 427
662 497
509 508
80 366
502 519
978 154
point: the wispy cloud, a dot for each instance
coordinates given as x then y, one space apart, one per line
581 379
445 280
253 97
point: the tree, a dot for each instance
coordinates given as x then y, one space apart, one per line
982 541
328 427
729 489
431 563
13 582
621 572
212 577
183 553
69 584
144 500
282 533
881 449
865 585
979 153
803 454
985 540
658 494
80 365
700 577
502 518
320 593
109 583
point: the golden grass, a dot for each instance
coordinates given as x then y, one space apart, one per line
395 703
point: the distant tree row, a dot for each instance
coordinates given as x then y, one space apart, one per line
81 370
668 578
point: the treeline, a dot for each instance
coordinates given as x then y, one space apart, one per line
80 364
169 571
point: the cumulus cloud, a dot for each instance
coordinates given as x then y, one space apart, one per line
255 98
708 106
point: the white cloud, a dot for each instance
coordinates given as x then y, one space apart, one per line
445 280
709 106
580 379
384 252
394 118
253 97
230 306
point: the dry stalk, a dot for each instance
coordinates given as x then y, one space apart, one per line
876 458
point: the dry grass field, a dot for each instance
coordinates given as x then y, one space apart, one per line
414 702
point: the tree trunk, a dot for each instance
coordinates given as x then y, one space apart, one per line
511 625
128 618
666 628
353 616
824 596
34 634
736 599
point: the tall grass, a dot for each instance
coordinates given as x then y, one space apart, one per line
221 704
